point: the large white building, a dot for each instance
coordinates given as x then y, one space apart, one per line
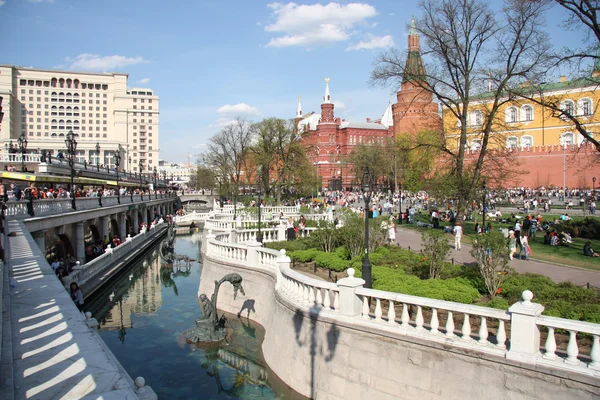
44 105
176 173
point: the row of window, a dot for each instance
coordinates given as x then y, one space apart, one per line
526 114
68 83
366 140
513 142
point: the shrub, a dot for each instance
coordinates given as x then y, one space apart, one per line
292 245
304 256
436 248
491 252
588 228
330 261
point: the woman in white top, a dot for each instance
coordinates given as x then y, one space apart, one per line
458 231
524 246
391 228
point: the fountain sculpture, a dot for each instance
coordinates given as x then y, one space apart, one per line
209 327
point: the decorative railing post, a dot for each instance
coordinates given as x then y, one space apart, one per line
252 254
524 332
350 303
283 261
281 231
233 236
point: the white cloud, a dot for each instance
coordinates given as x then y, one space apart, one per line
239 109
143 80
96 62
311 25
222 122
41 1
373 42
2 2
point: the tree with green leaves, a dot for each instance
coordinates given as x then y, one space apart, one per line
472 51
436 248
492 255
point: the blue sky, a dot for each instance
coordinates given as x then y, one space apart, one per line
210 60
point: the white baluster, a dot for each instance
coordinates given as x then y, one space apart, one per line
483 331
391 313
306 294
405 318
550 345
572 349
501 335
419 321
311 294
450 325
336 301
365 308
595 353
327 300
378 311
466 328
435 323
319 297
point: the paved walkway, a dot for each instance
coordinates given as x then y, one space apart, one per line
55 355
558 273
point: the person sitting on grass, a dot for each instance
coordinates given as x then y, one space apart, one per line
588 251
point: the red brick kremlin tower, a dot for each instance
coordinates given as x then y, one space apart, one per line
415 109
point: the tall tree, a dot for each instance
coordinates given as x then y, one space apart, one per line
584 63
228 153
470 50
280 156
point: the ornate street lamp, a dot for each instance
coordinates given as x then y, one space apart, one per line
155 173
594 188
129 165
259 236
140 165
71 144
117 164
367 187
22 142
98 155
483 209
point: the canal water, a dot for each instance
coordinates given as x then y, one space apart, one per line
143 313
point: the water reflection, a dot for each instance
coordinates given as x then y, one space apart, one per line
142 315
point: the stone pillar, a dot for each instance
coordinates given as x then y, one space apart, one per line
524 333
80 242
233 237
281 231
104 221
134 221
207 246
122 225
284 262
350 303
40 240
252 255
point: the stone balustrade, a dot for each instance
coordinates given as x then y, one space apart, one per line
512 334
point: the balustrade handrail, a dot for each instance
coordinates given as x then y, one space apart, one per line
568 324
435 303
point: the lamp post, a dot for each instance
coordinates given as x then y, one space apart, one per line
117 164
594 188
71 144
98 155
140 165
22 142
129 165
155 173
366 265
483 209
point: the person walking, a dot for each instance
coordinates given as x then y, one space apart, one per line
458 231
77 295
524 253
391 228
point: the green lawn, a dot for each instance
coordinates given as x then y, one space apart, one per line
571 255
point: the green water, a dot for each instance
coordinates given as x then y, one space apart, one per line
143 313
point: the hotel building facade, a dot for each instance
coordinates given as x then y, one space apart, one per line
44 105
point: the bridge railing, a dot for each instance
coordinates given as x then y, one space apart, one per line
46 207
513 334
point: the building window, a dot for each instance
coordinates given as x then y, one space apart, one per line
585 107
568 107
566 139
512 115
476 118
527 141
527 113
512 142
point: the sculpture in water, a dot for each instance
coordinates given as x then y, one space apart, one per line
209 327
167 246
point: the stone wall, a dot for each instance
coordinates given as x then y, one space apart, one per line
327 357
